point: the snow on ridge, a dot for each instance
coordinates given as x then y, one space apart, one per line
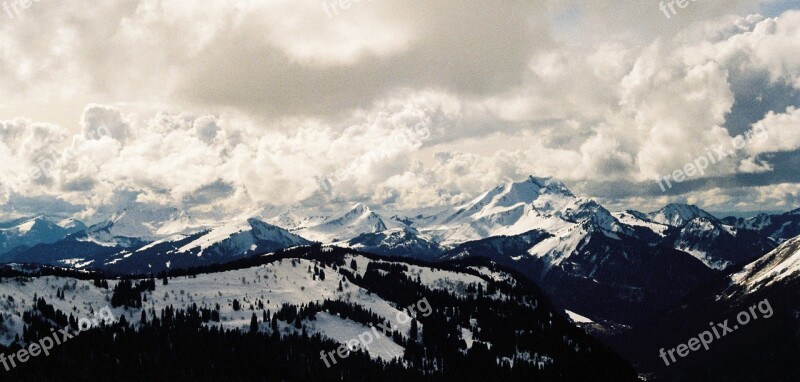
779 264
577 318
628 218
358 220
677 215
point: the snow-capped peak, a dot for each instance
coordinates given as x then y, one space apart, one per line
357 220
520 192
677 215
519 207
357 214
541 193
241 236
360 207
36 230
550 184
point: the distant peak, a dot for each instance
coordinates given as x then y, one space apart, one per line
681 208
681 205
544 183
360 208
539 179
678 214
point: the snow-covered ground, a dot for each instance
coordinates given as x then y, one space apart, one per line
285 281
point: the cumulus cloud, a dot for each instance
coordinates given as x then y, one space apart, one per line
237 104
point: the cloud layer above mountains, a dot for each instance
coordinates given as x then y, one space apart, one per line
231 105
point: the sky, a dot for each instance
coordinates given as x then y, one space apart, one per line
224 106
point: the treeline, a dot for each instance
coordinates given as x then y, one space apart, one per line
37 270
514 336
174 345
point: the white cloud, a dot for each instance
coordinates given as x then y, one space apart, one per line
257 100
777 132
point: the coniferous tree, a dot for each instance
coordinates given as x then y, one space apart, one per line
254 323
297 323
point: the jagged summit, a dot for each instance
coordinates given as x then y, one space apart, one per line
677 215
513 193
548 183
359 219
518 207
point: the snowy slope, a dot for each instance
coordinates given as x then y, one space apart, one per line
278 283
781 264
471 307
638 219
284 281
242 236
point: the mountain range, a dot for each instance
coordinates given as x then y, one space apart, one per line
640 281
615 267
